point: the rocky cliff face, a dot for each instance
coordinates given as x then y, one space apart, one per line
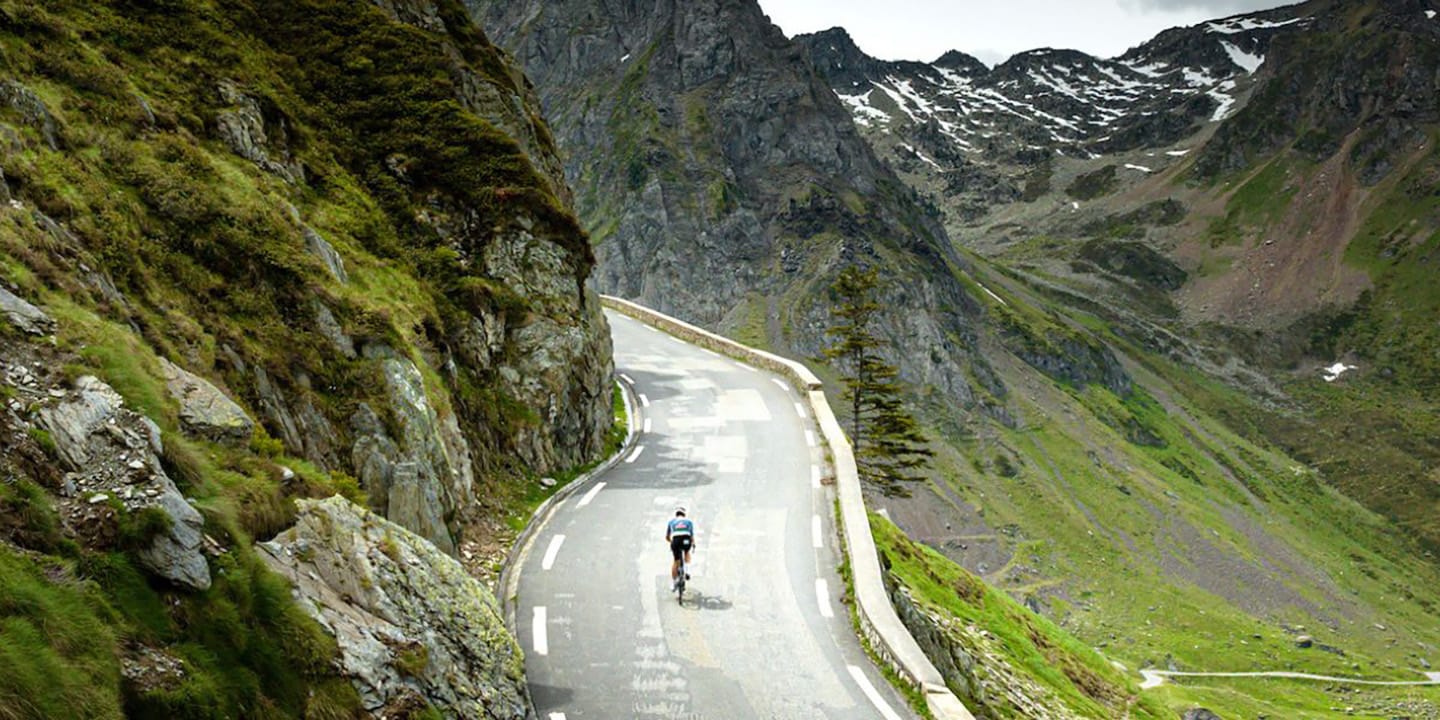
723 182
265 251
494 360
382 591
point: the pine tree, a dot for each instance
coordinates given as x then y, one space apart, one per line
889 449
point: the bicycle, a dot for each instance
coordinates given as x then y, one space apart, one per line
680 581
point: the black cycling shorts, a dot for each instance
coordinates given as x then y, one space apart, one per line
679 544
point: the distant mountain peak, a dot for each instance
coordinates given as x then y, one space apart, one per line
961 63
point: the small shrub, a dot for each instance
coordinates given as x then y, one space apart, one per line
44 440
139 529
412 661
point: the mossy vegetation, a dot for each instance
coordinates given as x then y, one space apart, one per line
147 233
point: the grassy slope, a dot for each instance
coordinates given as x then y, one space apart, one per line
1078 678
200 243
1184 542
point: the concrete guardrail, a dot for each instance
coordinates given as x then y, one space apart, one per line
888 637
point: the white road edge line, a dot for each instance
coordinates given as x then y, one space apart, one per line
644 401
810 438
635 454
628 380
814 476
646 428
800 410
554 549
591 494
870 692
781 383
537 626
815 538
822 596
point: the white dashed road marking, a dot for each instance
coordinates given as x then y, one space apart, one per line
554 550
591 494
537 626
644 401
815 538
647 426
814 476
638 449
870 692
800 410
781 383
810 438
557 716
822 596
627 379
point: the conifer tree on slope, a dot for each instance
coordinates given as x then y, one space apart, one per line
889 450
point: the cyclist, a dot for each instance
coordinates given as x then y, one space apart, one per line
680 533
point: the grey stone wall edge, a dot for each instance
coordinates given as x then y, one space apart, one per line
879 622
507 587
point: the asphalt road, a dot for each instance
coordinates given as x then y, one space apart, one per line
762 632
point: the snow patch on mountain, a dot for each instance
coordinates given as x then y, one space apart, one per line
1245 60
1232 26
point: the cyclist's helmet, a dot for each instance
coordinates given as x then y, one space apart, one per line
680 510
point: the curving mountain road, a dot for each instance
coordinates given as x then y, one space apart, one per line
765 635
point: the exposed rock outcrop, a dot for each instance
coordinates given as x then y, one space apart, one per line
23 315
205 410
32 109
385 593
113 454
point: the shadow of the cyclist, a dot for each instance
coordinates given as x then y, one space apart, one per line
700 601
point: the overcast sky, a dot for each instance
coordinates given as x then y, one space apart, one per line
993 30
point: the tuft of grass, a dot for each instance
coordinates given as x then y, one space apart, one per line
58 648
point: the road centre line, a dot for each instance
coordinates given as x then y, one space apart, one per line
870 692
537 627
554 549
591 494
638 449
815 538
822 596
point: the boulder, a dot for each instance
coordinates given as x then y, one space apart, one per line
28 318
24 101
74 423
1199 714
113 452
177 555
389 597
205 411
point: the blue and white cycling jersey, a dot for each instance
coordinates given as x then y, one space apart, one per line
680 527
